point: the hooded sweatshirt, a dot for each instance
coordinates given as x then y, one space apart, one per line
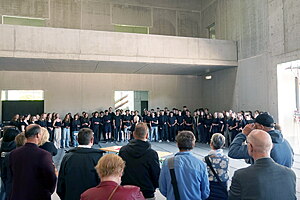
142 166
77 172
282 152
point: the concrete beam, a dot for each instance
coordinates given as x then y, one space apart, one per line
58 43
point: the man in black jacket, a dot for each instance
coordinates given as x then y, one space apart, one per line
142 165
77 172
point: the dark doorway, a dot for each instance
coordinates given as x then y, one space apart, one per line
144 105
10 108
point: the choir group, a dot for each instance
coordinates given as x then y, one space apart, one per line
118 126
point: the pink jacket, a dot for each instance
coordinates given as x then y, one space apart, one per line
105 188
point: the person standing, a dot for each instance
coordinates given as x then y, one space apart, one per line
172 121
117 124
217 166
77 171
190 173
127 125
95 126
57 124
265 179
107 125
154 127
66 134
33 174
282 152
142 164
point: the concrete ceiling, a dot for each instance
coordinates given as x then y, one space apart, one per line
80 66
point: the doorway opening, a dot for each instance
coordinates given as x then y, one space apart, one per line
288 76
21 102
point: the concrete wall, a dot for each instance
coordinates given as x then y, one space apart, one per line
163 17
55 43
267 34
75 92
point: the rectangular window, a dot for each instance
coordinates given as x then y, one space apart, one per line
212 31
18 95
24 21
124 100
132 29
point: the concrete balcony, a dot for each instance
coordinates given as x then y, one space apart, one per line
25 48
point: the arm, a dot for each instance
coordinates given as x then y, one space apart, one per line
61 185
154 169
163 179
237 149
48 172
204 187
235 189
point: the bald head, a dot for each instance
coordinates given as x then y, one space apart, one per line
260 143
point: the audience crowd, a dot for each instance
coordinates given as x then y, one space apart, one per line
30 142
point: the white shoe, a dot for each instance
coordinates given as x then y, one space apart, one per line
159 141
168 141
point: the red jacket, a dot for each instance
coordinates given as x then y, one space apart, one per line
105 188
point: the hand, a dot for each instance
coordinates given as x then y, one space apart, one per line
248 128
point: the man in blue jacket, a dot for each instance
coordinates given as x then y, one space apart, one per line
282 153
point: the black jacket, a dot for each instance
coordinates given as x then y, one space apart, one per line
142 166
77 172
49 146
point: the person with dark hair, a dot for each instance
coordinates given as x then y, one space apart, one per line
77 172
6 175
66 134
15 121
50 126
107 119
217 167
57 124
188 121
282 152
8 144
42 121
163 126
95 126
75 127
117 124
85 122
127 125
32 169
172 121
142 164
24 122
190 172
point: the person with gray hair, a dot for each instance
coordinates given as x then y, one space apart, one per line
265 179
217 167
184 176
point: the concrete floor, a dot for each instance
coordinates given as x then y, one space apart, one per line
200 151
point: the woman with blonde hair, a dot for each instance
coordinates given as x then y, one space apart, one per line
46 144
110 170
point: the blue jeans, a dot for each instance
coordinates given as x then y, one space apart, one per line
74 138
152 136
65 137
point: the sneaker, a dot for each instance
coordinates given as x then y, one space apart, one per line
159 141
168 141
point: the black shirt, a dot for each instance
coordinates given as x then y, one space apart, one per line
117 120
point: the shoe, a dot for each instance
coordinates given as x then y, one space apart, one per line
159 141
168 141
